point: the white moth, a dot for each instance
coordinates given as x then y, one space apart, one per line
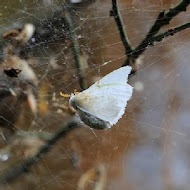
103 103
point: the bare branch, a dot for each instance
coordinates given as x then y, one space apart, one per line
118 19
170 32
163 18
24 165
76 50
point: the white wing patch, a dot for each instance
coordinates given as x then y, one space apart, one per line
106 99
118 76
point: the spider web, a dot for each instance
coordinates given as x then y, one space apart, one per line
149 147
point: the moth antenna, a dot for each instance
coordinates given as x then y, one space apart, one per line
64 95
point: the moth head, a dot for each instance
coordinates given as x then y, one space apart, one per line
72 101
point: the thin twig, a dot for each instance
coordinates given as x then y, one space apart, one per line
170 32
160 37
163 18
24 165
118 19
76 50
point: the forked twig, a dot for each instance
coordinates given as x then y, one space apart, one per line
163 19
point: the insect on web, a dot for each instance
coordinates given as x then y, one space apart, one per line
158 113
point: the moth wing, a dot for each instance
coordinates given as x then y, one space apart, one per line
107 98
91 120
118 76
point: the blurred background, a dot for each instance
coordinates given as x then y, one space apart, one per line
149 148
